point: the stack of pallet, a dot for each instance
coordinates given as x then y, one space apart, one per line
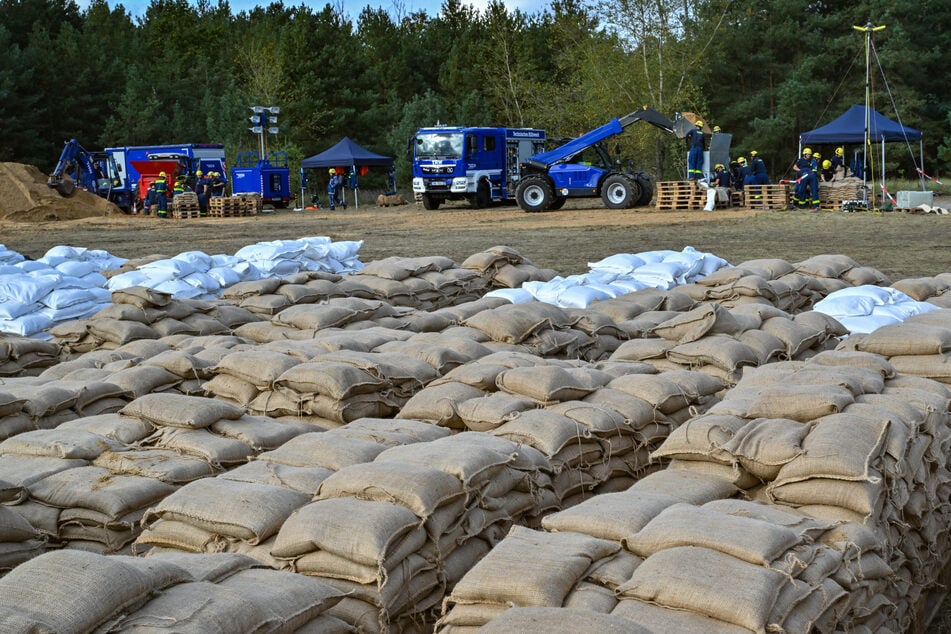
226 207
833 195
673 195
253 204
766 196
185 205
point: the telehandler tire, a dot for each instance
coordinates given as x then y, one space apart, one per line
619 192
534 194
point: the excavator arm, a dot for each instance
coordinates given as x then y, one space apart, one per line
75 159
544 160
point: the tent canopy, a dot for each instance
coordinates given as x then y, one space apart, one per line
850 128
347 152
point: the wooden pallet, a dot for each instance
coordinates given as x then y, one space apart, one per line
673 195
766 196
183 214
252 204
222 207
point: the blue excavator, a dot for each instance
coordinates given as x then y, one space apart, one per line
582 167
80 168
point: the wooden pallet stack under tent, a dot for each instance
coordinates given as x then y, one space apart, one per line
673 195
766 196
833 195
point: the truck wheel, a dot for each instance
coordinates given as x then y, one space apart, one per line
647 192
534 194
483 197
619 192
430 202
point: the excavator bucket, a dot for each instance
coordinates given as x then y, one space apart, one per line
65 186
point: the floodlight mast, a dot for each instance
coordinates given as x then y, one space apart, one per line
868 29
264 124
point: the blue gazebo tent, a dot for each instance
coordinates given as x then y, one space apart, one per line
346 153
849 128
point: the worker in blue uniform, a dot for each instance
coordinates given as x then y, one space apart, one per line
807 184
758 170
160 186
695 153
202 191
838 164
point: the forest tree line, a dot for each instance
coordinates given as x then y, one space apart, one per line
763 70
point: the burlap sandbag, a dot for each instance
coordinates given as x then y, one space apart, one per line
438 403
702 438
764 445
420 489
58 443
488 412
367 532
334 379
181 411
842 446
703 320
261 368
165 465
220 452
245 511
692 578
693 488
41 594
751 540
141 297
303 479
907 339
513 323
612 516
542 429
95 488
142 380
530 568
323 449
231 389
798 402
549 383
720 351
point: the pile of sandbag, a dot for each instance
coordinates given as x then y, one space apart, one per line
723 341
25 356
920 345
811 498
71 591
19 541
396 532
242 510
595 424
863 309
504 267
139 312
934 290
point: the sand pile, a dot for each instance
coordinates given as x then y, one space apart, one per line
25 197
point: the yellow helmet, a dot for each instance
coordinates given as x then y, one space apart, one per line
699 124
807 151
718 166
826 164
162 174
716 128
198 173
839 151
741 160
331 171
817 156
753 153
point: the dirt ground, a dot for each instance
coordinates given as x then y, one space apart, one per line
34 218
900 245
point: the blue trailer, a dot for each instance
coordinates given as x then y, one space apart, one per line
582 167
270 177
481 165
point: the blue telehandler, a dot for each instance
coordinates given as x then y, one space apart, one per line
583 167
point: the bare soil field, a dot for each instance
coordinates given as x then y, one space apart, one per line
901 245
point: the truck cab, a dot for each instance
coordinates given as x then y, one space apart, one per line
481 165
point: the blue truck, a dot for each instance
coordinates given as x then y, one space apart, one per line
583 168
123 174
268 177
480 165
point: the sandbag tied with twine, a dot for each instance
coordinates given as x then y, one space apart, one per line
528 569
515 323
709 319
19 540
26 355
550 384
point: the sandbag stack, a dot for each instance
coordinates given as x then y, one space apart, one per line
723 341
504 267
19 541
394 533
809 499
210 593
918 346
241 510
23 356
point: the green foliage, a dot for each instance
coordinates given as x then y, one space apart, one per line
764 70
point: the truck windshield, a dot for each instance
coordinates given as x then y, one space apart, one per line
439 145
